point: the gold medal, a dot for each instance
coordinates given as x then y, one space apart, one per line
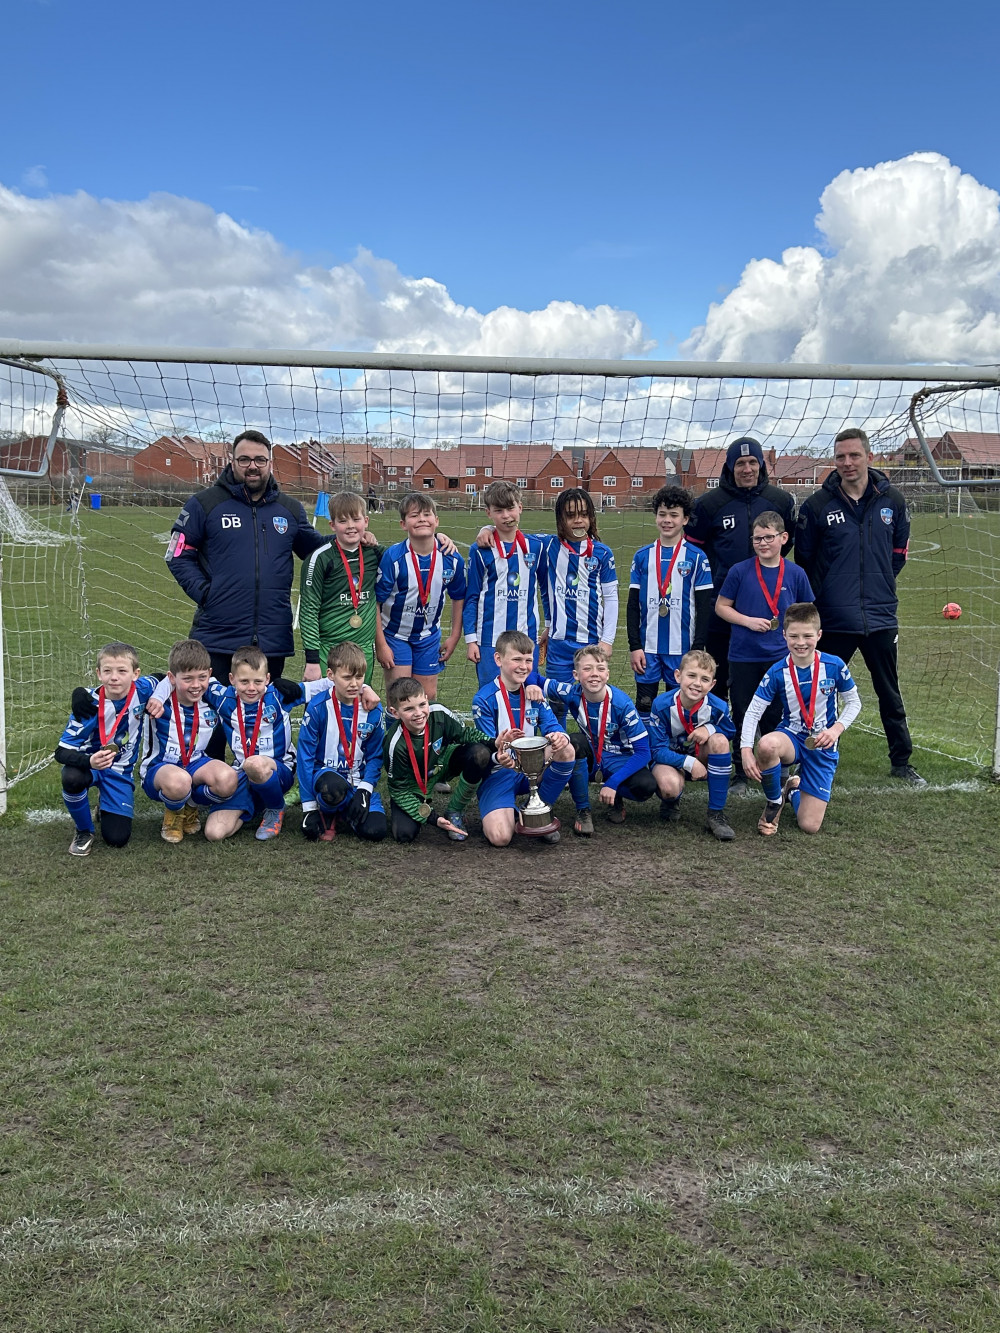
664 609
774 622
424 810
810 742
355 621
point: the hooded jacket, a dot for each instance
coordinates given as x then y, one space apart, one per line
722 519
852 552
233 556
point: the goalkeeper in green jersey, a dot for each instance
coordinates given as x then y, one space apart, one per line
426 743
337 588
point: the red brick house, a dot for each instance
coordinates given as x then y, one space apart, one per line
699 469
181 460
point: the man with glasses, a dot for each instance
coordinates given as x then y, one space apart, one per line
721 525
231 549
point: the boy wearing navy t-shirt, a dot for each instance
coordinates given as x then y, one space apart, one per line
754 597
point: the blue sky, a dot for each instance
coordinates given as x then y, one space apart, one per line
633 155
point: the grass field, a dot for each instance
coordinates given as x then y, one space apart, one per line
648 1082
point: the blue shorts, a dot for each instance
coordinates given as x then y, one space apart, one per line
497 792
115 792
659 666
559 654
487 669
816 767
286 779
422 656
153 769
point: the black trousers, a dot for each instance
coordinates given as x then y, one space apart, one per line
221 665
473 761
879 653
717 643
744 677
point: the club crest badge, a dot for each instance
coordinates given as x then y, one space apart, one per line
280 525
886 515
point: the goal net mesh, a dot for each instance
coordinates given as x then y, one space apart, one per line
83 534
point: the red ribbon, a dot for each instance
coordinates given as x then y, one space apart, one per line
179 724
517 542
423 592
807 717
349 752
685 722
350 577
777 587
104 734
510 711
251 750
603 726
662 584
422 784
585 554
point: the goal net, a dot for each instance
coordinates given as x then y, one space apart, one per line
85 510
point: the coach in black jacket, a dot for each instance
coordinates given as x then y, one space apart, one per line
722 524
231 549
851 540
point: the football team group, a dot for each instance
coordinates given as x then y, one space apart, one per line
752 649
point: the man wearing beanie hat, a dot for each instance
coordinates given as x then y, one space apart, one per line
722 525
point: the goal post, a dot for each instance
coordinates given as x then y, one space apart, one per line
134 430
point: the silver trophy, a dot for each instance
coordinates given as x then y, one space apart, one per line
536 818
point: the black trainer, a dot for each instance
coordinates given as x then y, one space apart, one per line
670 811
719 826
907 773
83 840
738 785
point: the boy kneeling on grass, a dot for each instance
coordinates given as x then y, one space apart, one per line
502 707
340 754
426 743
691 733
175 768
808 683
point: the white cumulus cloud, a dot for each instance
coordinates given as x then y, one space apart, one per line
910 272
172 270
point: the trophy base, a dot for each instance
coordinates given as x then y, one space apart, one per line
527 831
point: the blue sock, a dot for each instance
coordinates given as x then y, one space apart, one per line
174 805
794 797
770 780
556 777
78 805
270 792
578 785
720 770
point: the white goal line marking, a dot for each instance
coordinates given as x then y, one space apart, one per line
199 1222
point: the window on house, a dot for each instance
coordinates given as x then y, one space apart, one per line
470 488
167 462
522 482
712 483
391 471
408 471
488 471
610 501
556 483
609 481
637 483
428 483
470 471
391 486
453 483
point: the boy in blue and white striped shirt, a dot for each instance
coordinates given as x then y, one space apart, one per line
669 600
413 577
580 589
503 581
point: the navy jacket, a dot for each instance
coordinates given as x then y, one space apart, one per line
853 552
722 520
233 556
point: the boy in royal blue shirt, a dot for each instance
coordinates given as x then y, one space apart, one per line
691 735
754 597
808 683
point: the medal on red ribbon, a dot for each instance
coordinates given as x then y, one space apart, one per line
810 713
109 739
188 750
772 602
423 810
602 728
349 749
664 583
355 620
424 590
517 544
585 555
510 710
249 750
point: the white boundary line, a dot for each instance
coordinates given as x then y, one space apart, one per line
195 1222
